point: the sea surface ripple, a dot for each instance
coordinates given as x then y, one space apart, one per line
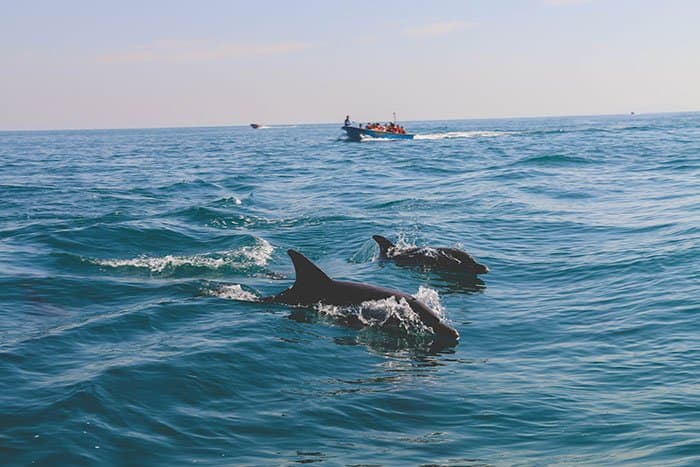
131 334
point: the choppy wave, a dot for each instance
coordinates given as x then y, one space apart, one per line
555 159
256 255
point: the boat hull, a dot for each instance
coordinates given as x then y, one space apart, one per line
356 134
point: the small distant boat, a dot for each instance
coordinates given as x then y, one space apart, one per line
356 133
255 125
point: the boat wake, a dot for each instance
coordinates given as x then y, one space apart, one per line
464 134
366 138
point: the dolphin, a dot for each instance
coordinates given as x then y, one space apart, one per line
449 259
313 286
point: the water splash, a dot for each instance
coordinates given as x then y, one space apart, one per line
390 313
404 243
431 298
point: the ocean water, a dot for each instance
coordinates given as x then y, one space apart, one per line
131 262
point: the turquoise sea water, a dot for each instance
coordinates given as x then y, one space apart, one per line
131 259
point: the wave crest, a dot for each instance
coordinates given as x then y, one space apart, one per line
256 255
232 292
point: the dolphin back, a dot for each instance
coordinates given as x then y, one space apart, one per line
450 259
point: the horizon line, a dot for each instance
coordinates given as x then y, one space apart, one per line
234 125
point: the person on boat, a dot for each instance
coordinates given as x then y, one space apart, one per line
347 120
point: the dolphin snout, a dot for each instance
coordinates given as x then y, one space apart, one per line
476 268
446 334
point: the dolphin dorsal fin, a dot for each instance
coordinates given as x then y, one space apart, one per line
384 245
306 272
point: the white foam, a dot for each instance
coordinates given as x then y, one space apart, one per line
388 312
463 134
365 138
233 292
159 264
403 243
255 255
259 254
377 313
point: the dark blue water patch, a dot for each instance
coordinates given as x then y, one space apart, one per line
216 217
134 237
46 303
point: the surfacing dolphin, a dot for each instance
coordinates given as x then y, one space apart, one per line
313 286
448 259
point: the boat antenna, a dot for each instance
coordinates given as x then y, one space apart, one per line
394 118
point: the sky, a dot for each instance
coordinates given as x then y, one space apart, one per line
127 64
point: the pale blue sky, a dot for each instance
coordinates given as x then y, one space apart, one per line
87 64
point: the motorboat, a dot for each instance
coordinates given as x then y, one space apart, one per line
358 133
